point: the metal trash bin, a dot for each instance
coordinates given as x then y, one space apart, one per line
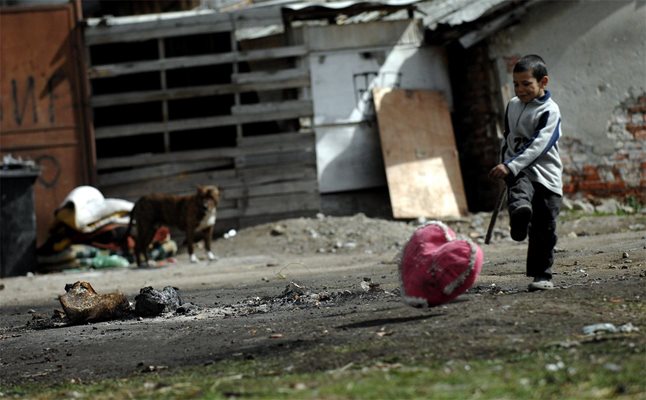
17 221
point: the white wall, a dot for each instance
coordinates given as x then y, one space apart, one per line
596 56
349 62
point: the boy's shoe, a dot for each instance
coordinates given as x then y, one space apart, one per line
540 284
520 218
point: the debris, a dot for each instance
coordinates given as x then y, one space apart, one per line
625 255
628 328
188 309
154 368
610 328
105 261
612 367
293 291
276 336
566 344
383 332
231 233
603 327
369 286
555 367
278 230
151 303
82 303
1 286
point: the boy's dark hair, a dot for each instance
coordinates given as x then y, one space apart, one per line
532 63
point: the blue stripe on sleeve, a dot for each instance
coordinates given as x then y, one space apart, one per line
542 122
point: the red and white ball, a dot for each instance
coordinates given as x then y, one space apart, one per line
436 266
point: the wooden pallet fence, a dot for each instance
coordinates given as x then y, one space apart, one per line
177 104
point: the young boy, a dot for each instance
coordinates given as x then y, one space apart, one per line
531 167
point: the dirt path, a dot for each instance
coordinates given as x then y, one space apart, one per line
247 310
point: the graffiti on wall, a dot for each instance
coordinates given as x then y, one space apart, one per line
22 107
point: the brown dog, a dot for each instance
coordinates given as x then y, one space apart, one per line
193 214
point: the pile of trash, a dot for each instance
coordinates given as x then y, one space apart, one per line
89 231
82 304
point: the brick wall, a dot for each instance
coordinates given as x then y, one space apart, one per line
620 174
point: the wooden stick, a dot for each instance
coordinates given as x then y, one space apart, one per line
496 210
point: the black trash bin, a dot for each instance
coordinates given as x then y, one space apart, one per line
17 221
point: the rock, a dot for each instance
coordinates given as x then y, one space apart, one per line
278 230
151 303
583 205
567 204
608 206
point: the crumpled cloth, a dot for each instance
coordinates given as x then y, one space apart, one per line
85 209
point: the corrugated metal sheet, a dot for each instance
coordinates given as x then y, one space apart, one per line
457 12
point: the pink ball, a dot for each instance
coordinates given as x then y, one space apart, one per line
436 267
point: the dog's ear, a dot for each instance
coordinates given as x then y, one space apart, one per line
215 194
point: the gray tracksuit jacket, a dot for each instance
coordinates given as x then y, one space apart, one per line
532 132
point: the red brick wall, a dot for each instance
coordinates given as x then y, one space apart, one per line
620 174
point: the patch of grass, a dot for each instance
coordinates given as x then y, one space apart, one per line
593 370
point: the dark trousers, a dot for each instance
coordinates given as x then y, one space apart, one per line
545 206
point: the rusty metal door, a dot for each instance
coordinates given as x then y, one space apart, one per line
43 101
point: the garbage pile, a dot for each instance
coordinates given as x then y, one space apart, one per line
82 304
89 231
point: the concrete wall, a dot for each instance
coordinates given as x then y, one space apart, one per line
596 56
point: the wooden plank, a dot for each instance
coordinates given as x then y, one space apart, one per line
270 76
420 156
227 179
136 33
176 184
264 140
279 173
308 186
107 100
303 144
159 171
111 70
193 123
253 160
99 31
148 159
281 143
279 204
303 107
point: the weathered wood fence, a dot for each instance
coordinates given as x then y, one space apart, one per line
177 104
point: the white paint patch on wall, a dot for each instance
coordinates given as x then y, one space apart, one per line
347 140
596 56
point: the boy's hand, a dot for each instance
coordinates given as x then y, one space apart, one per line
500 171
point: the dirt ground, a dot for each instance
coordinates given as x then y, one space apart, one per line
289 289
